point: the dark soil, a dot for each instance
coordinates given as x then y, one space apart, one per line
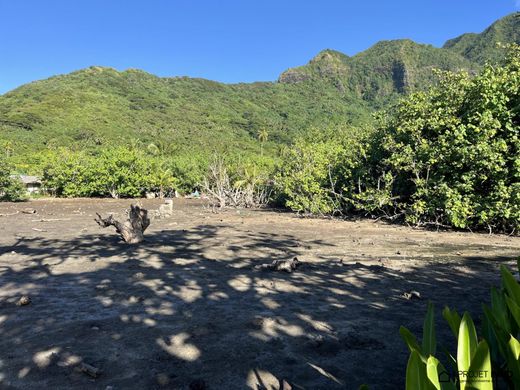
186 309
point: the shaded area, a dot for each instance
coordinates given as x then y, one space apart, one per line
186 305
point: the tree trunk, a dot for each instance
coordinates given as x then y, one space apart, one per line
131 230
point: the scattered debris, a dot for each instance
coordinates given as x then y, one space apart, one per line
29 210
165 210
92 371
280 265
8 214
412 295
24 301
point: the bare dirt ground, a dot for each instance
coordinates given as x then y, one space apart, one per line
186 308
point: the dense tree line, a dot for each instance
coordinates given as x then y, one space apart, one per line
448 156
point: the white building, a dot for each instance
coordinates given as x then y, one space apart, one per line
32 184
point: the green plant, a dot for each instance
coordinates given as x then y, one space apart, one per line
498 352
11 188
473 362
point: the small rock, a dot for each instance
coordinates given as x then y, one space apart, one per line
24 301
411 295
95 328
29 211
92 371
109 388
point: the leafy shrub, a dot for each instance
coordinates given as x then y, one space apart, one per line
11 189
454 151
116 172
316 174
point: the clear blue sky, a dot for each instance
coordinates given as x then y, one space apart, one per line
225 40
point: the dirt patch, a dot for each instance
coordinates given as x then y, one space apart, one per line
187 307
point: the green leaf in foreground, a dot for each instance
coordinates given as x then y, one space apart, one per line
467 344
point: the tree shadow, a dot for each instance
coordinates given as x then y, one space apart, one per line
186 306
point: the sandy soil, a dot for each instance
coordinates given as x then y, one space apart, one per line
186 307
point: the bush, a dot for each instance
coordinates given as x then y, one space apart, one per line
117 172
455 150
237 183
11 189
317 172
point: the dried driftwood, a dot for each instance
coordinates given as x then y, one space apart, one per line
280 265
131 230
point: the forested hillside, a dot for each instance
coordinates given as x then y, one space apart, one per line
100 106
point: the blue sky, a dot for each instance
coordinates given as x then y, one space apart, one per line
224 40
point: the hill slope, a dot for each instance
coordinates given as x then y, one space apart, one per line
100 106
382 72
483 47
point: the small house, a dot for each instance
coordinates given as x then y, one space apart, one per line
32 184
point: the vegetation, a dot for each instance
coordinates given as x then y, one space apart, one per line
448 157
481 48
444 155
116 172
99 107
244 185
478 365
11 189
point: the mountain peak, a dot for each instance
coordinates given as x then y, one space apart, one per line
484 46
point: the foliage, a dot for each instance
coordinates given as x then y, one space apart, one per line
99 107
116 172
454 150
448 156
11 189
314 171
482 48
497 353
237 184
473 360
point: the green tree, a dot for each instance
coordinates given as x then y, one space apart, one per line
263 136
11 189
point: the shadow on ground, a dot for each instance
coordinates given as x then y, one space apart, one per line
186 307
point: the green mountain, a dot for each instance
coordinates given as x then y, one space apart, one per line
100 106
97 106
483 47
381 73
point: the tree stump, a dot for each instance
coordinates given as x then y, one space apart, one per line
131 230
